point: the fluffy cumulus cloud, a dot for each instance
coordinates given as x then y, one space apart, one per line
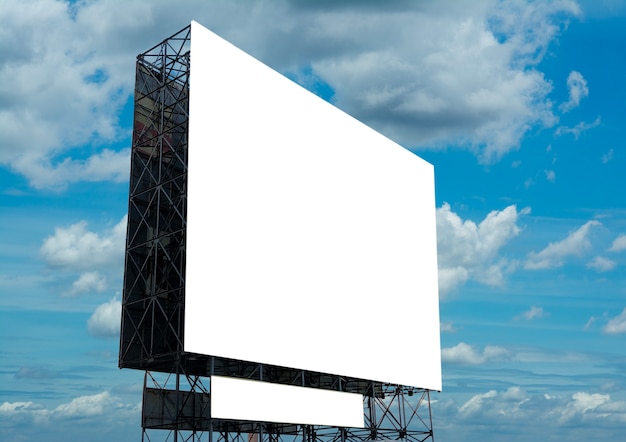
555 254
578 89
601 264
80 407
425 73
619 244
476 403
101 166
23 413
98 417
516 405
93 260
105 320
441 73
469 250
617 324
465 354
61 90
86 405
88 282
76 247
582 404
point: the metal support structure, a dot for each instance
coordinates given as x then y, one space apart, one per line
177 403
176 393
154 275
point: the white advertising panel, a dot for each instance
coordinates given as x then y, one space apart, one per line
311 238
239 399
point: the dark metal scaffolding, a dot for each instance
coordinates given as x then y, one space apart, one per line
180 404
176 394
154 275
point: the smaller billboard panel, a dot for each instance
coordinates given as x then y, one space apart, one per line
247 400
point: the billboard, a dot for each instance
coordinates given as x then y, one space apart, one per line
311 239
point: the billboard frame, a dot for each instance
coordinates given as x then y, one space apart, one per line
153 300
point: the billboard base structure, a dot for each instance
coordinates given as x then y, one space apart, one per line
176 407
176 393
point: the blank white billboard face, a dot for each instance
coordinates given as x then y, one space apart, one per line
242 399
311 238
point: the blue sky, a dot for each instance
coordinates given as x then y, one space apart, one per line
519 105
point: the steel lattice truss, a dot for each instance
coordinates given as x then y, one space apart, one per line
176 390
179 403
154 279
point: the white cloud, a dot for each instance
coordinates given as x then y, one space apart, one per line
601 264
447 327
590 322
84 406
578 129
75 247
581 404
619 244
450 278
465 354
64 93
105 320
533 313
88 282
467 250
476 403
578 89
103 166
17 407
22 413
608 156
545 410
575 244
80 407
550 175
616 325
495 404
469 82
425 73
93 259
